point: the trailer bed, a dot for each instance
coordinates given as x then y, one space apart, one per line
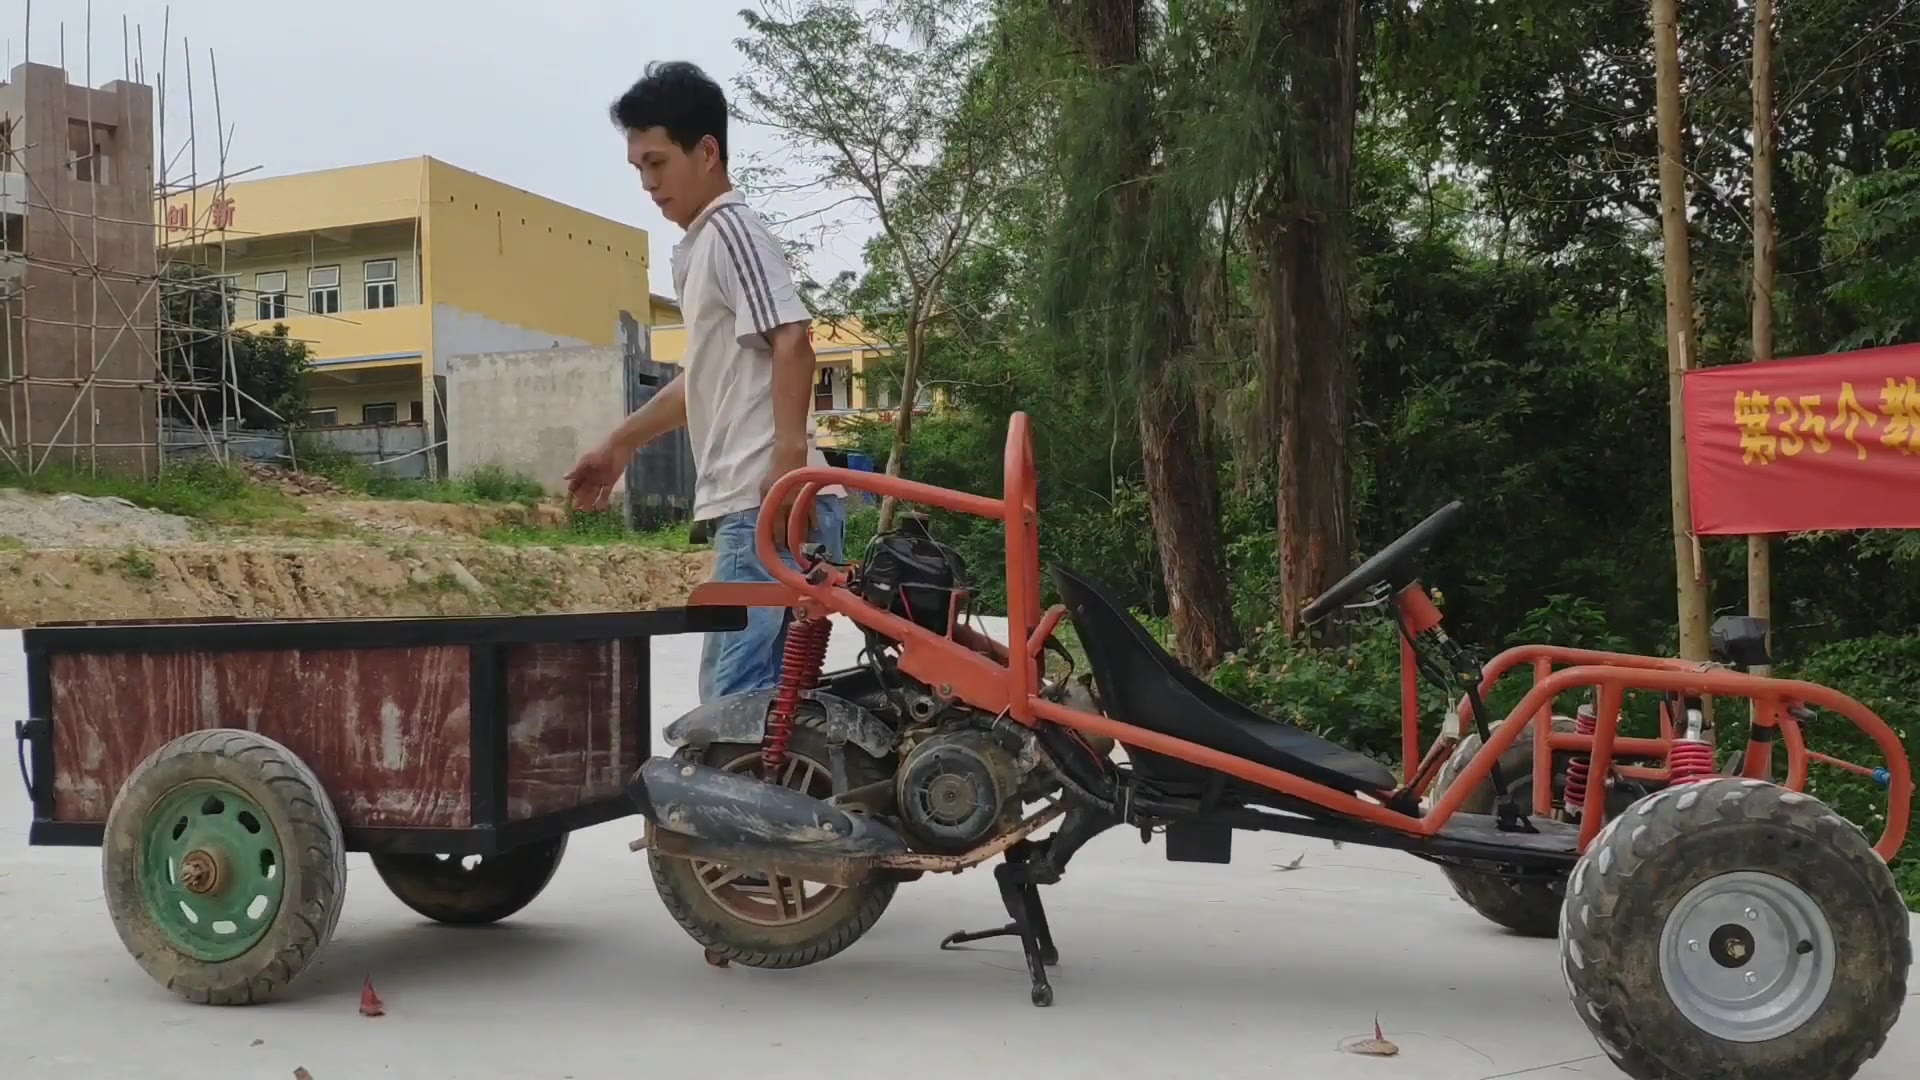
456 735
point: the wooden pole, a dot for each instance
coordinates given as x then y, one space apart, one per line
1759 548
1689 568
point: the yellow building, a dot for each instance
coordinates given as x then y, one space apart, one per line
854 376
386 270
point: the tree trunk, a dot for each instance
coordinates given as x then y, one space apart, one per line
1302 237
1182 488
909 391
1759 550
1183 493
1689 569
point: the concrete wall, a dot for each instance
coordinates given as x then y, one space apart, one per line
534 411
464 333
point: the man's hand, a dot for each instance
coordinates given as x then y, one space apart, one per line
788 455
590 483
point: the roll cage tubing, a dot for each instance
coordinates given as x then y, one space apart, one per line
955 671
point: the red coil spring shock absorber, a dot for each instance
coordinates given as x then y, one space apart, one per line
1691 759
800 663
1575 798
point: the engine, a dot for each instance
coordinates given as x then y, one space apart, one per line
957 789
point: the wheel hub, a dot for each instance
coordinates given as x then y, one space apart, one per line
200 872
1747 956
211 871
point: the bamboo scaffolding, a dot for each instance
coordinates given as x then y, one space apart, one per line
185 253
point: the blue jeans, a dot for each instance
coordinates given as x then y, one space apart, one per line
739 661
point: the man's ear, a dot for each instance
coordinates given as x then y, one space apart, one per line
710 152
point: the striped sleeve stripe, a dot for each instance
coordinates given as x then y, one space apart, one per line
738 215
740 252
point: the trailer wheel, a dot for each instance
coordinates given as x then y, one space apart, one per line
471 890
1735 928
783 923
224 866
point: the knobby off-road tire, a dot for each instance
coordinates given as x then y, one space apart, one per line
1802 939
1527 906
224 866
472 890
822 933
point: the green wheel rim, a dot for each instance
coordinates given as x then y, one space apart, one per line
211 873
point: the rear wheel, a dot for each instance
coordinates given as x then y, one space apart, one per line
740 915
1529 906
1735 928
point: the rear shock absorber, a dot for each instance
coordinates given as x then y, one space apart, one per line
1575 798
1691 758
800 664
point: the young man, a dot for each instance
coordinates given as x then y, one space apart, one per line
745 388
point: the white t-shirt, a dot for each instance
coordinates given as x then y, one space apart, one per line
734 288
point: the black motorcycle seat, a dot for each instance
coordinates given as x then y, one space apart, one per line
1140 684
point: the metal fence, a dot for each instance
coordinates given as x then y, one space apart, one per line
394 448
660 477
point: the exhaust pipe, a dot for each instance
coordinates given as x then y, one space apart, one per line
699 812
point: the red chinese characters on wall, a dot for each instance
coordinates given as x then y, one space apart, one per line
217 216
1816 443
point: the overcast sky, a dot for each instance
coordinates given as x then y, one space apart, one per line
517 91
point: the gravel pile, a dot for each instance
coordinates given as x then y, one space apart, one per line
54 521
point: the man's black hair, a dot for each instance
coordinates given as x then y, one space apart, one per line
679 97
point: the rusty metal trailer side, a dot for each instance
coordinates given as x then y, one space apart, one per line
438 735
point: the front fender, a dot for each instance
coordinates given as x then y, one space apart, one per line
742 719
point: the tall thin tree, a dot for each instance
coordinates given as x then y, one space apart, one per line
1689 567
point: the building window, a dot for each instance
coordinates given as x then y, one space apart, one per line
323 290
87 159
384 412
271 301
383 284
823 390
323 418
229 286
415 413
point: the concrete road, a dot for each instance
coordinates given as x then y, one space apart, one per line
1167 971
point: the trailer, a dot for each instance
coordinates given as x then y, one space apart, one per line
225 768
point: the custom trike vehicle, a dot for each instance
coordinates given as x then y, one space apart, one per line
1711 922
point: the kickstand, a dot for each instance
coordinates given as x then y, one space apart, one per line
1022 898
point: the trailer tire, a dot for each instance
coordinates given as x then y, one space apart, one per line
209 820
449 890
730 937
1803 940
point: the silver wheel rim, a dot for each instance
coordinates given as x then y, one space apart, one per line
1747 956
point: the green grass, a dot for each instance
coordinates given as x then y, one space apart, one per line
198 488
486 484
592 529
135 564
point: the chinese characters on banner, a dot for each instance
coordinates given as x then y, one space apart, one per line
1817 443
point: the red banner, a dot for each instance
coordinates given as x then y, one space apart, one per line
1817 443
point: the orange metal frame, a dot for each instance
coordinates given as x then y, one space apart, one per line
957 671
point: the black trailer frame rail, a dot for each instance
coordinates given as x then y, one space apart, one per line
487 639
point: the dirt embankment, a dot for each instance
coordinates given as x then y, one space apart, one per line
72 558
